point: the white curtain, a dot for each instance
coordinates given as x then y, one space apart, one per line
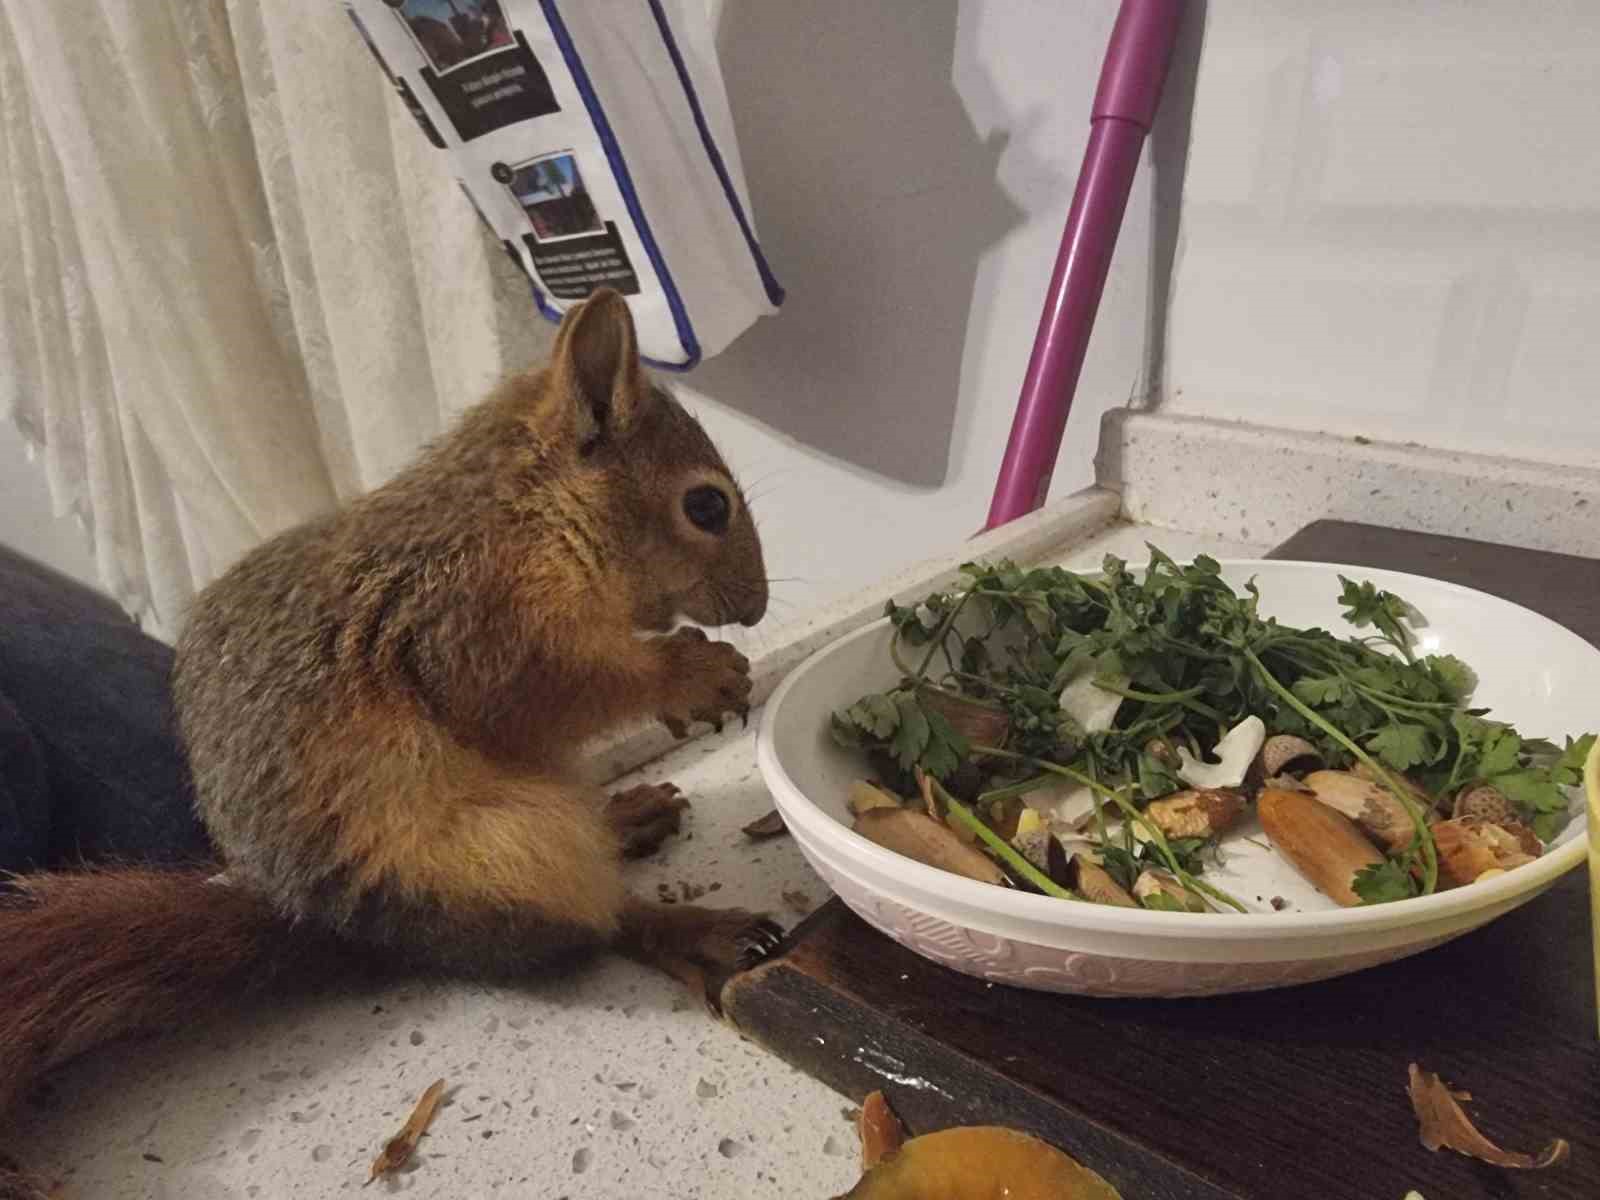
236 283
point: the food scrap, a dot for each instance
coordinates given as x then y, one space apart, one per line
397 1151
880 1130
1443 1123
1101 737
968 1163
765 827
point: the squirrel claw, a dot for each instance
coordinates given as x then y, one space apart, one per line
761 940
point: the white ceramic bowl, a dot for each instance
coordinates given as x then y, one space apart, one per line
1536 674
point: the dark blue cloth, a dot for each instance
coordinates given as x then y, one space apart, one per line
91 768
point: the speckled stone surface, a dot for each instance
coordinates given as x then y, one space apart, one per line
606 1083
1260 484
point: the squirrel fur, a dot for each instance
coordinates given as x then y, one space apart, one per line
384 712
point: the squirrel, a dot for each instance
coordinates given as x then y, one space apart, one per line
384 709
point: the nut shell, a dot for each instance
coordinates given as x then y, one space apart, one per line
1471 846
1484 801
1370 805
1095 884
1283 753
1322 844
1196 812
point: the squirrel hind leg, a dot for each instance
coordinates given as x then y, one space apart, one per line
702 948
503 877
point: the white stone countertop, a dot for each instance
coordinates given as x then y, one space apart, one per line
607 1083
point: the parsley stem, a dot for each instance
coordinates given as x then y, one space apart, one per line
1389 698
1423 840
1185 698
894 653
938 639
1002 849
1021 788
1130 814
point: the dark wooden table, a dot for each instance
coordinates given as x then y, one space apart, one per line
1299 1092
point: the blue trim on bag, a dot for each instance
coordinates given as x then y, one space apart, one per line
769 281
619 171
549 310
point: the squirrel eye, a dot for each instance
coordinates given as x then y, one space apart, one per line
707 508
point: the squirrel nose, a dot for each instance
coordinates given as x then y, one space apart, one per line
756 607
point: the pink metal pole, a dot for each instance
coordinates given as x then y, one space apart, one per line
1125 103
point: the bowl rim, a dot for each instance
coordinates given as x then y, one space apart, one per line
1031 907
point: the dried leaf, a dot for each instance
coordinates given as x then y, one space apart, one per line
881 1131
399 1149
1444 1123
768 826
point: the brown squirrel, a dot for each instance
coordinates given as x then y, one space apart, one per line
384 710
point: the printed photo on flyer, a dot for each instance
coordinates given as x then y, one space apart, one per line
453 33
574 249
478 65
551 193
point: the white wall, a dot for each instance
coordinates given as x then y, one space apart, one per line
1391 224
911 166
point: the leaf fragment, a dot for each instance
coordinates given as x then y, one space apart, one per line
765 827
397 1151
1443 1123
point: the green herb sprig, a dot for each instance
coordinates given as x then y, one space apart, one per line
1189 657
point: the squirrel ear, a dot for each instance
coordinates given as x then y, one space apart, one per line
596 362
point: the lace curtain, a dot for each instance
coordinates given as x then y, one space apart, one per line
236 284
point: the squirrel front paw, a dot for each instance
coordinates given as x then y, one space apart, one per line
704 681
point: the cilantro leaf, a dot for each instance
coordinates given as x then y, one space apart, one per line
946 747
911 731
870 720
1531 790
1455 679
845 732
1156 778
878 715
1568 770
1366 605
1383 882
907 621
1548 826
1401 746
1500 751
1317 690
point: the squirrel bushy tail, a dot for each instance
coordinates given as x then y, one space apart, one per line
90 956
